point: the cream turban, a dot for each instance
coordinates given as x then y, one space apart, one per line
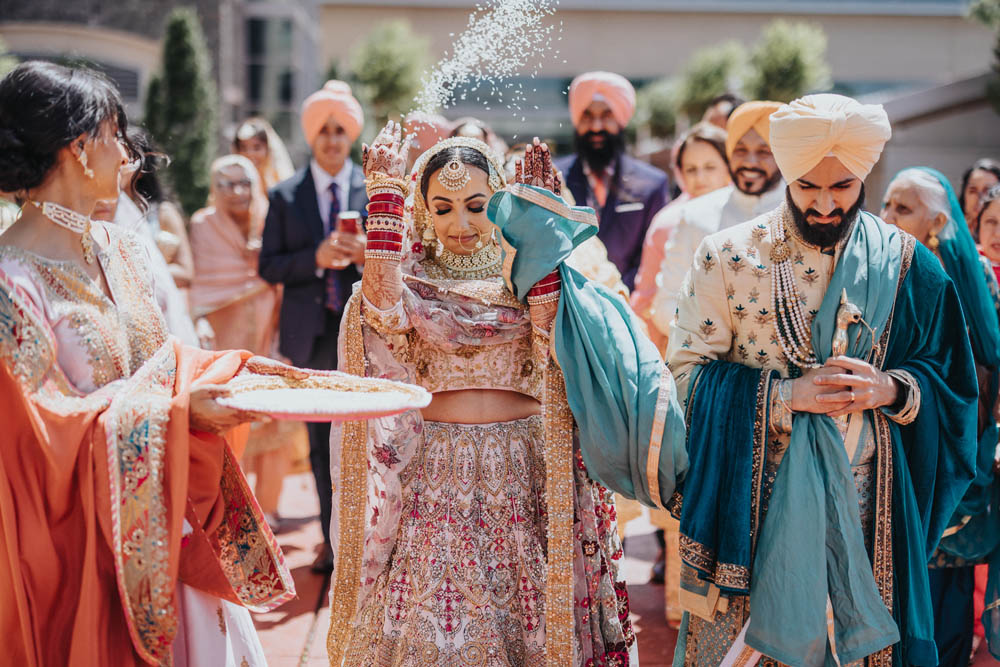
613 89
749 116
811 128
333 99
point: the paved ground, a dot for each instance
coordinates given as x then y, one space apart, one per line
295 634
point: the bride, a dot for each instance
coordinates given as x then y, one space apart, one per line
478 530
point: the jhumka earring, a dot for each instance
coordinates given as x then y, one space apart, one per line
428 233
454 176
933 242
87 171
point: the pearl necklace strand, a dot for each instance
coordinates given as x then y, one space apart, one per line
75 222
790 325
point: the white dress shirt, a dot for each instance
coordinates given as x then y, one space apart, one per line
323 179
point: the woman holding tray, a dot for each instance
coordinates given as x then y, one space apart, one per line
480 530
127 533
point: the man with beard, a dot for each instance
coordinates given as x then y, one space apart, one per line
755 189
830 385
626 193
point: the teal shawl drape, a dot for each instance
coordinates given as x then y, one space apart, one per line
717 516
934 458
978 513
613 373
811 544
933 461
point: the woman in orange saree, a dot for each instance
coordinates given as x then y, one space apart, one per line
125 522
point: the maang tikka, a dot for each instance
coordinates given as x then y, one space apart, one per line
454 176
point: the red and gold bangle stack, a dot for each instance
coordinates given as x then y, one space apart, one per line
545 290
385 224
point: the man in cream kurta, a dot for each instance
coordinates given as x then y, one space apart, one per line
726 312
757 188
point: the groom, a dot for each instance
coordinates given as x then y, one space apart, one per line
864 453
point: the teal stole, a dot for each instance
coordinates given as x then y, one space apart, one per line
624 401
977 518
811 545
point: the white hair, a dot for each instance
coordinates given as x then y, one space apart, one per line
929 190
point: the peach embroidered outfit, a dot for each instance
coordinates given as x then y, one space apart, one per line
116 520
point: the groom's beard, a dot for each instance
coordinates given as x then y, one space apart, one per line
825 235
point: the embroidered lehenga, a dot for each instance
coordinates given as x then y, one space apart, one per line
126 538
481 544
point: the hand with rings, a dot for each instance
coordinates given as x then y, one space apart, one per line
536 168
860 384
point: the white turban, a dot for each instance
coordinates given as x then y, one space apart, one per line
813 127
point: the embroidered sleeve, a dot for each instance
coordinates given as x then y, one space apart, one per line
780 419
703 329
391 320
27 345
911 406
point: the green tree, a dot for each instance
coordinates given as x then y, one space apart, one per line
8 61
788 61
182 108
387 68
709 73
987 12
656 108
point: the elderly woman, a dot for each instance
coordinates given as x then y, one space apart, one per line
241 308
921 202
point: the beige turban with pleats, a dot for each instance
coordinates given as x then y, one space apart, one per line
813 127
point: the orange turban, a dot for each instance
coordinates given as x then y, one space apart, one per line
333 99
613 89
813 127
749 116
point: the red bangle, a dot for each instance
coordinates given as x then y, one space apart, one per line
385 235
376 208
547 285
542 290
383 245
390 197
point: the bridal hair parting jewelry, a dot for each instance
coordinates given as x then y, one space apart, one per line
454 176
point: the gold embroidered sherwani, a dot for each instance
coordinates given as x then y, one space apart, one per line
726 312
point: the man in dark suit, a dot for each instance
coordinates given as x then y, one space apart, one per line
303 249
626 193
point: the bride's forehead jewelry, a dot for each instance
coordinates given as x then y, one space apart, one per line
454 176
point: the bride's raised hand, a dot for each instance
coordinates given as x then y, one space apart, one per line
536 168
388 153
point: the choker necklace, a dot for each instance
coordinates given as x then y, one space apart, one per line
74 222
477 266
790 325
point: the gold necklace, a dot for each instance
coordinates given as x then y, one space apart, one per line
477 266
75 222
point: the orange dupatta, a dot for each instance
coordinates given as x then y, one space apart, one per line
94 493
